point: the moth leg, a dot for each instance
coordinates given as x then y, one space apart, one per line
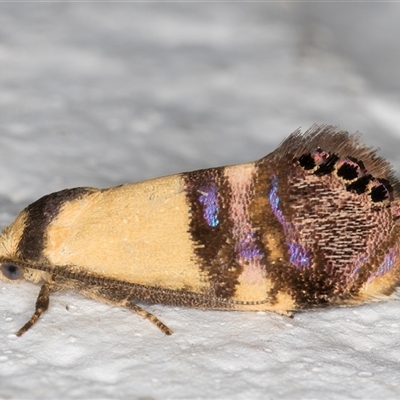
146 315
42 304
122 297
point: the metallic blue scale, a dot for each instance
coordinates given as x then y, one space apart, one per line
298 254
274 201
386 265
248 250
209 200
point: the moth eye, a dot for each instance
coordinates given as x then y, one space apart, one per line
11 271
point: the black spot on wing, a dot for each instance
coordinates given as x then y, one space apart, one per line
328 166
379 193
348 172
382 191
360 185
307 161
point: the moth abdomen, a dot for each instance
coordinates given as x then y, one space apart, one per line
313 224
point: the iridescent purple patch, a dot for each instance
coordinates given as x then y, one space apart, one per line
386 265
361 260
274 201
299 255
209 200
248 249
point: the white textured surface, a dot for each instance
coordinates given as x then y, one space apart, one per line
105 93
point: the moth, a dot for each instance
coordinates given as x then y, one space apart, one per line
313 224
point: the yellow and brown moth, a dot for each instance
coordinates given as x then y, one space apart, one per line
313 224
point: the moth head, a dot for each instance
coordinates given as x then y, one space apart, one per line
11 272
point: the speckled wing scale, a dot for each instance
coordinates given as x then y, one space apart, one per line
315 223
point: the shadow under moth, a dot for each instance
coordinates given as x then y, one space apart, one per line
312 224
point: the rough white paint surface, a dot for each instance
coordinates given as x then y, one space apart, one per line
105 93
